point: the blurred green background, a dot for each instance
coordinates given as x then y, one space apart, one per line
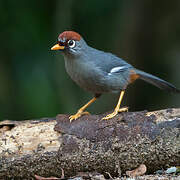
33 81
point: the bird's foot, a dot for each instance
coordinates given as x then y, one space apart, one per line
123 109
77 115
113 114
109 116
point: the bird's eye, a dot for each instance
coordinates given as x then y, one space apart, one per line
71 43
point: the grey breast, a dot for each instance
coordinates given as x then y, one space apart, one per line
86 75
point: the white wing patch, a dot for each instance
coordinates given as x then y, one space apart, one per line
117 69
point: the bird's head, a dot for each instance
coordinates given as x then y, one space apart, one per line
70 43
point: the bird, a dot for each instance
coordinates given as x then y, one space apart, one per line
101 72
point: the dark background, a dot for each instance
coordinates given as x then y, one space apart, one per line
33 81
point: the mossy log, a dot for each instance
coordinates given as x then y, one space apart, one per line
44 147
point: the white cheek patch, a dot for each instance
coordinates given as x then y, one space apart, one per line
117 69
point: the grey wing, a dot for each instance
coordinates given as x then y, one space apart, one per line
111 63
116 70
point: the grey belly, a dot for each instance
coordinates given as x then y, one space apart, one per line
90 82
88 79
100 83
95 81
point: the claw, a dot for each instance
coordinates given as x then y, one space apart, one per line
109 116
77 115
123 109
113 114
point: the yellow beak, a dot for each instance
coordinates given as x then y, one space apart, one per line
57 47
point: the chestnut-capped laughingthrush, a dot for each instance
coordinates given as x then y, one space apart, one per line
100 72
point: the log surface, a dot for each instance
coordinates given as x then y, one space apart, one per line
46 146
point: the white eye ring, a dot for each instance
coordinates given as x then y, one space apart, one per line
72 43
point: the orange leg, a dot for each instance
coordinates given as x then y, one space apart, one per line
117 109
81 110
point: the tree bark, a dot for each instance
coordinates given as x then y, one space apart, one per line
46 146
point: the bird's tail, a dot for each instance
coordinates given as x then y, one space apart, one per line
164 85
